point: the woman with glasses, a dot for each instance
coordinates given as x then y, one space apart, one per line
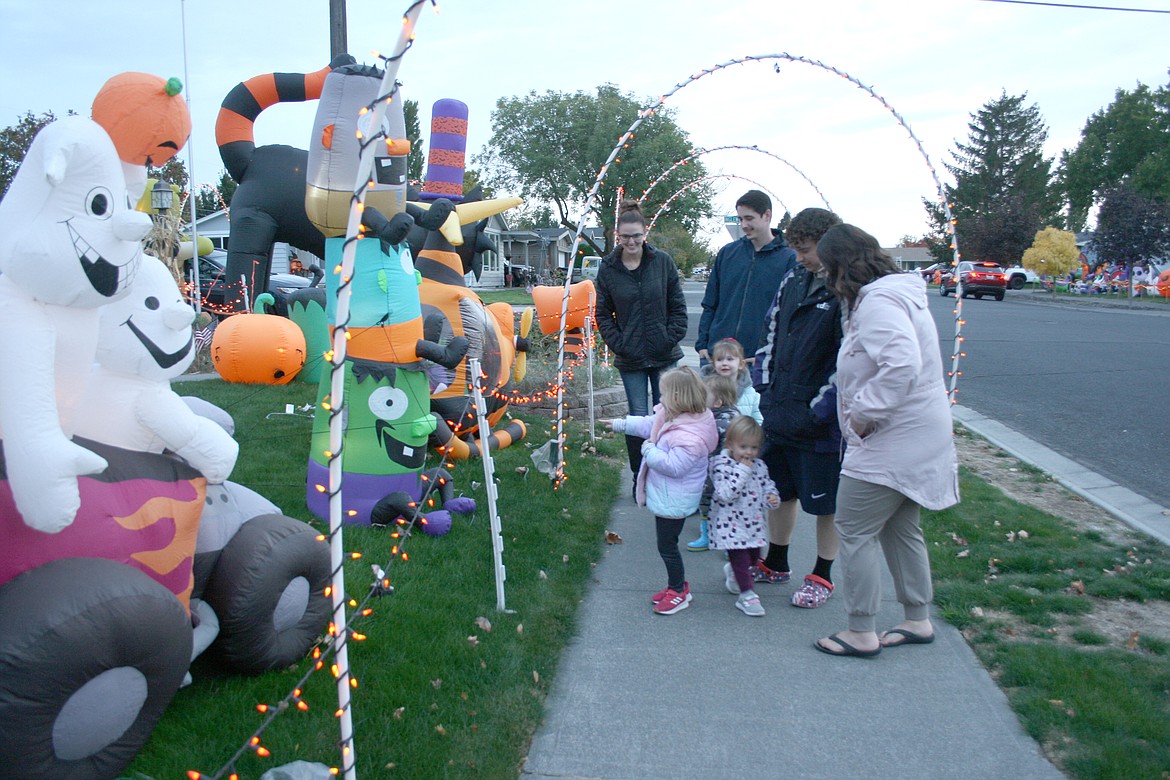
641 313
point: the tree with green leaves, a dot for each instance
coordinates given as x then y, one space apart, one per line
1053 253
209 200
680 244
1131 227
416 158
550 147
1126 142
1003 192
14 143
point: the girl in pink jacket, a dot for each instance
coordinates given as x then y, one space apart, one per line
680 437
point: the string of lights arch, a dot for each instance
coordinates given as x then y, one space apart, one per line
626 138
665 207
700 152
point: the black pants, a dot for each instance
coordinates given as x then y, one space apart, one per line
634 448
668 529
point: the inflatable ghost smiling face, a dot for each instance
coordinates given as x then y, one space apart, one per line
69 244
148 334
67 234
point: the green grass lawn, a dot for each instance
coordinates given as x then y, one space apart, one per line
441 692
1099 707
513 295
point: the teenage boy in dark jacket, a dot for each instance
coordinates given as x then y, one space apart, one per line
744 278
793 372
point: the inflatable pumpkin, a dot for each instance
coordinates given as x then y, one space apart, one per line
145 116
258 349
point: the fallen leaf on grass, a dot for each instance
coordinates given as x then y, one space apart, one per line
543 574
483 623
536 677
473 640
957 540
1077 587
398 713
564 559
1011 536
1132 642
463 695
437 683
977 612
613 537
522 470
1022 534
519 628
442 731
962 553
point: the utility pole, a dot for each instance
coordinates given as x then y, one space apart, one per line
337 35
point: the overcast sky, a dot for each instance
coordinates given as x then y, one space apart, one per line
934 61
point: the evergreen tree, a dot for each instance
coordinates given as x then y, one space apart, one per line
1003 192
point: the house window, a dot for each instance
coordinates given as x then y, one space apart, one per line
491 261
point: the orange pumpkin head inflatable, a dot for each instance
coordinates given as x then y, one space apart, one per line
145 116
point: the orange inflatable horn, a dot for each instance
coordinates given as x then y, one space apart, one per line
582 298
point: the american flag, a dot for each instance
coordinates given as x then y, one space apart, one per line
203 335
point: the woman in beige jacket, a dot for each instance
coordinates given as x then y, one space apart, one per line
899 456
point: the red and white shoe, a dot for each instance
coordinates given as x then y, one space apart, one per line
673 601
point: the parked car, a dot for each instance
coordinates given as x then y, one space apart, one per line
979 278
1018 276
212 284
929 271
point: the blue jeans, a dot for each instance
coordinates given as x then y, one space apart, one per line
636 384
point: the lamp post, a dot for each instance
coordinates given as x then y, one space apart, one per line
162 197
164 237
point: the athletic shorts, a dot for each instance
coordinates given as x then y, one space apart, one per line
810 476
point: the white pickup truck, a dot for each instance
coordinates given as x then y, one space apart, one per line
1018 276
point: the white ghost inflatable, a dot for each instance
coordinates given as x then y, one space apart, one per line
69 244
145 340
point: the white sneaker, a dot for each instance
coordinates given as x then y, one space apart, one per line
729 579
749 604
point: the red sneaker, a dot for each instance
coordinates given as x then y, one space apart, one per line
674 601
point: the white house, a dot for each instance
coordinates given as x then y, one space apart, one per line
216 226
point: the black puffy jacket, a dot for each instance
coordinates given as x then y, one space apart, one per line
642 314
796 362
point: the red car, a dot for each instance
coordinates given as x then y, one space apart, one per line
979 278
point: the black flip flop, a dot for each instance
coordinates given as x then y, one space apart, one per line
846 648
910 638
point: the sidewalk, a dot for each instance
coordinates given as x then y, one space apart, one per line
711 693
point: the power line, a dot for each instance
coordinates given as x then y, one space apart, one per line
1086 7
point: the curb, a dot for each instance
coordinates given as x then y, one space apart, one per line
1134 510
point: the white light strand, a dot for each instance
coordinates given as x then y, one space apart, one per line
648 112
369 128
700 152
665 207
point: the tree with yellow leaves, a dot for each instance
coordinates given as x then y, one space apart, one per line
1053 253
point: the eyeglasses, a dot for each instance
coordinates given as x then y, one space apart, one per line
630 236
